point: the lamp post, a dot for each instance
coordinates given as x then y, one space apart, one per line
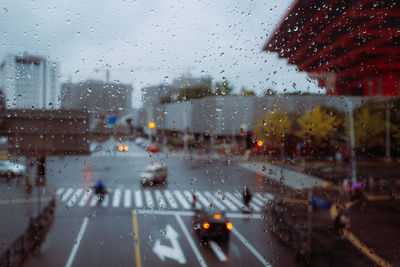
352 144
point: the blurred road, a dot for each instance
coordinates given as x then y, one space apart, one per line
145 226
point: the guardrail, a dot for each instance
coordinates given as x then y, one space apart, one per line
290 232
31 239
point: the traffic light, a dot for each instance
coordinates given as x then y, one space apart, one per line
152 125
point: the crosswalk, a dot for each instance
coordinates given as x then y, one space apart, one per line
162 199
127 154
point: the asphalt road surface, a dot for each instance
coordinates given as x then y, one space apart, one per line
152 226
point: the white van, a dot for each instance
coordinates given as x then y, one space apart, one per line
153 174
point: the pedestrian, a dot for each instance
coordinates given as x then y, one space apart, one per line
194 200
341 223
246 194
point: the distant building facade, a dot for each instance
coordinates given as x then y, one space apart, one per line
158 94
97 97
154 95
29 82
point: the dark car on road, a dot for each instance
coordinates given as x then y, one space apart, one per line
211 226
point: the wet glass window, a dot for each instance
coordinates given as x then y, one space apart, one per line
199 133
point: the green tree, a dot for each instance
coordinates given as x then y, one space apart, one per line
317 124
270 92
223 88
273 126
245 92
193 92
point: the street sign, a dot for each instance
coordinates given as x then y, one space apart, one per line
112 120
175 252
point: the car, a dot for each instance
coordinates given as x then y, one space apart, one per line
122 148
10 169
153 148
211 225
153 174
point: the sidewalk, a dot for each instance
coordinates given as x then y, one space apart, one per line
17 207
374 223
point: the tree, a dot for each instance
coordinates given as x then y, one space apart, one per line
369 127
223 88
274 126
245 92
270 92
317 124
193 92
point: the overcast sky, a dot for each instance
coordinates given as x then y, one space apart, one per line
147 42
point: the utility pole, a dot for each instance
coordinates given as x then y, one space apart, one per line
352 144
388 133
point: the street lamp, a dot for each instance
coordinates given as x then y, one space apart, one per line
352 144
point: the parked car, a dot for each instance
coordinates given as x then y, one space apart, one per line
10 169
154 174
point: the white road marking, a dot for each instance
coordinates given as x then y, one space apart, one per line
234 199
160 200
127 198
240 203
190 240
265 196
67 194
170 199
75 197
189 197
250 247
85 197
117 198
149 199
182 199
214 200
77 243
138 199
225 201
258 201
203 200
218 251
59 191
95 200
191 213
106 199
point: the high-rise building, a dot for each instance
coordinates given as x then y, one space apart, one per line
97 97
29 82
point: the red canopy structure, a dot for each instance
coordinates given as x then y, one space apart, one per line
351 46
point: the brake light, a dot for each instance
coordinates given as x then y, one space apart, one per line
217 216
229 225
206 225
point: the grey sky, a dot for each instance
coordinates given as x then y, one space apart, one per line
145 41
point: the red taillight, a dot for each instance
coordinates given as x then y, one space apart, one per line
206 225
229 225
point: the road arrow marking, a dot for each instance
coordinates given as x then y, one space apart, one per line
175 252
